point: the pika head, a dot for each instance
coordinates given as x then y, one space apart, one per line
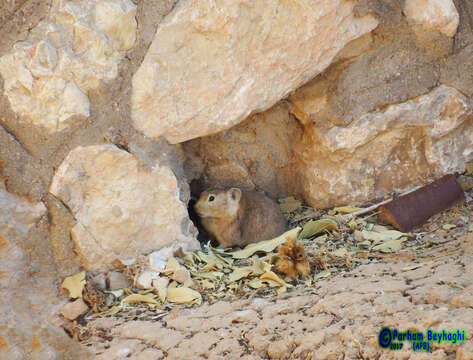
218 203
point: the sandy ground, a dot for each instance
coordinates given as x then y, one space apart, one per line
339 318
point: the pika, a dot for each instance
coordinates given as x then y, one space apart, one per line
238 218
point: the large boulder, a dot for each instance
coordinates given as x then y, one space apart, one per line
122 209
78 47
392 149
212 64
433 15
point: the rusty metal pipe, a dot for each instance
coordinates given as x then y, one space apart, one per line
415 208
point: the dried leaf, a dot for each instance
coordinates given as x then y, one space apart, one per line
210 260
347 209
314 227
281 290
112 311
342 252
183 295
163 294
390 245
212 275
265 246
260 267
289 204
322 275
382 236
256 283
470 228
239 273
412 267
207 285
75 284
469 168
139 298
448 226
117 293
272 276
172 264
320 240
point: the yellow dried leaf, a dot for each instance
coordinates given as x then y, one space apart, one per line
139 298
382 235
347 209
469 168
448 226
183 295
256 283
470 228
259 267
390 246
281 290
74 284
206 284
265 246
117 293
239 273
162 294
112 311
289 204
210 260
172 264
320 240
322 275
314 227
272 276
340 252
412 267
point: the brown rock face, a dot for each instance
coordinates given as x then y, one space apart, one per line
257 153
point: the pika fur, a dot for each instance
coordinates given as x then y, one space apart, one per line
238 218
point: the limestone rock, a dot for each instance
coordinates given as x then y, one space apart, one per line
72 310
28 300
17 217
47 77
145 279
404 145
212 64
116 280
122 210
439 15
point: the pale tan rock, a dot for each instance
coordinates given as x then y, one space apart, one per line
397 148
211 65
116 280
17 217
79 46
122 210
72 310
161 283
29 299
145 279
439 15
181 275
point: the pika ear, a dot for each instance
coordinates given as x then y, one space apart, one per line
235 194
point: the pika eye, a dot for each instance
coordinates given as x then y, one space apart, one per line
211 198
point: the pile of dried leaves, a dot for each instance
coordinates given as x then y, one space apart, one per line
334 241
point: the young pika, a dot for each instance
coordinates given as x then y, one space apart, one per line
238 218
